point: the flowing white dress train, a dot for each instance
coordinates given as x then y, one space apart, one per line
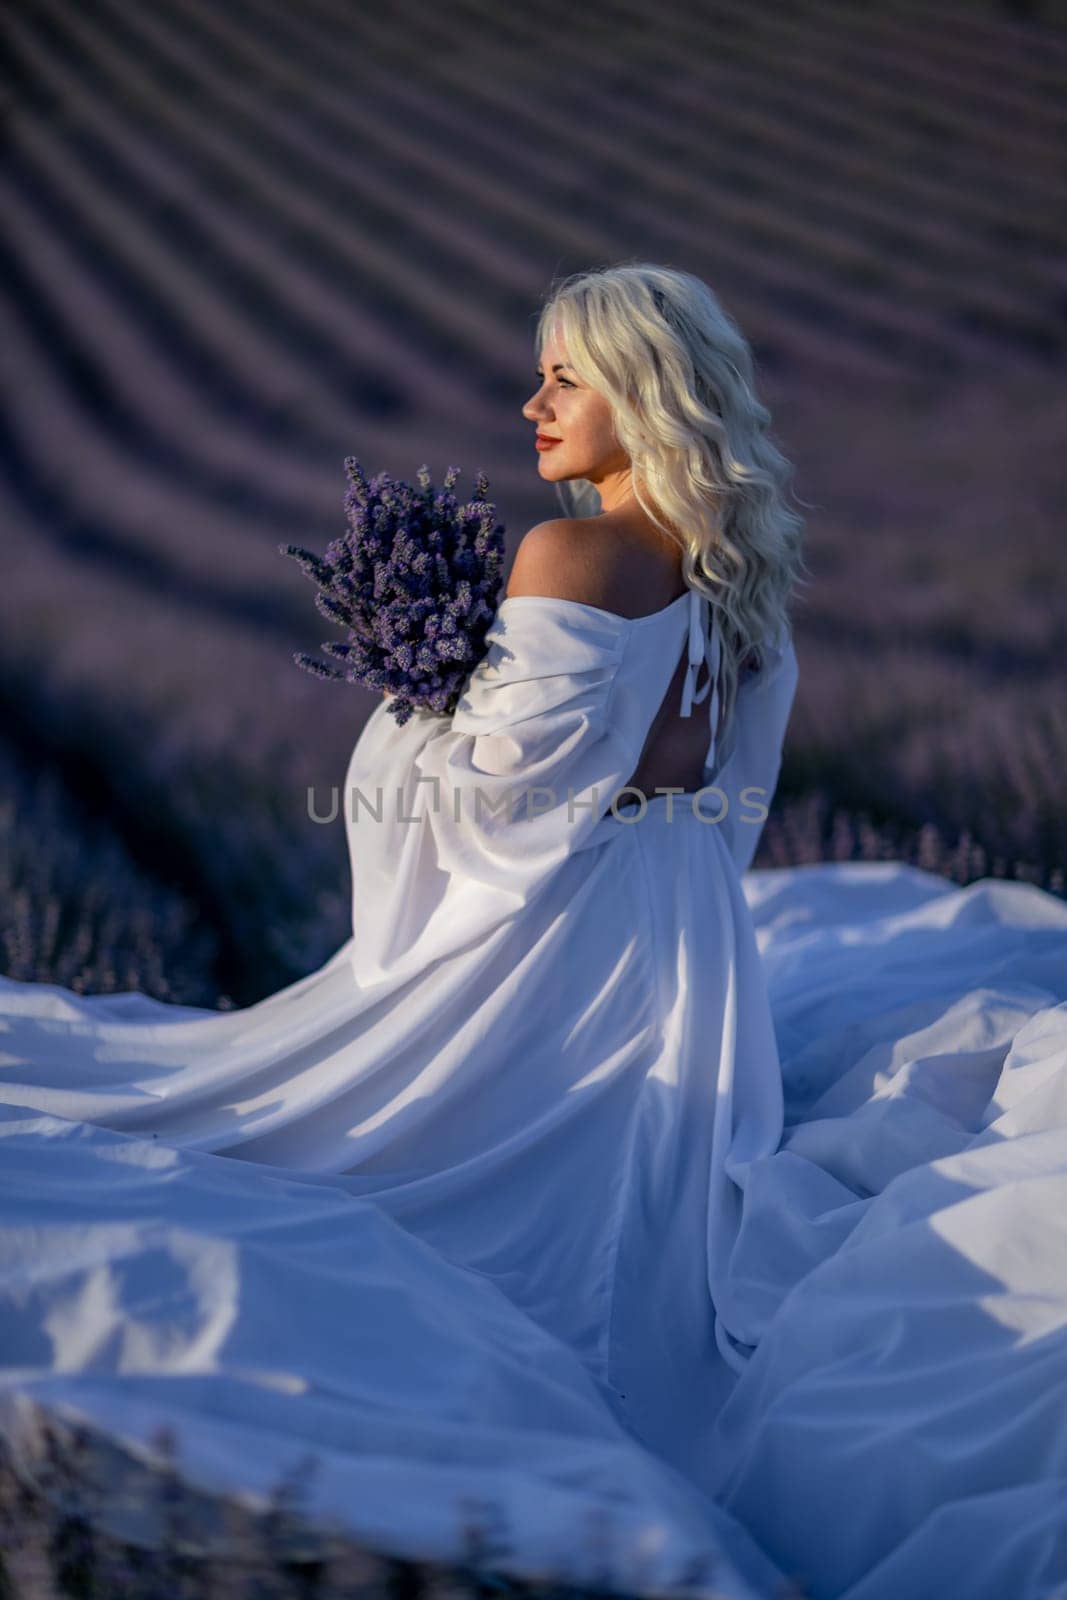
595 1176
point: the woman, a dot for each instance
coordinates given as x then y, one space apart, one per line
586 1176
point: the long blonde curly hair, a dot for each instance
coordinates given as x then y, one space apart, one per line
679 376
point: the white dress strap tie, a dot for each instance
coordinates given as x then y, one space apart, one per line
703 646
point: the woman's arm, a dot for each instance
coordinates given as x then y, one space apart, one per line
466 818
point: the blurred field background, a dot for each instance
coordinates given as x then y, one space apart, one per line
241 242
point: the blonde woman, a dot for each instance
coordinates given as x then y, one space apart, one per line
503 1201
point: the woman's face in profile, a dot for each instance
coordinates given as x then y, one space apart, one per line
574 416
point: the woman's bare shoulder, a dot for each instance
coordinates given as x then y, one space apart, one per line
596 561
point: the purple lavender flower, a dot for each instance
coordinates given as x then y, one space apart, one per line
415 580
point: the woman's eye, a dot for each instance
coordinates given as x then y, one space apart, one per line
565 381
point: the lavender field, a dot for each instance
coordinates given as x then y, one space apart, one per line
242 242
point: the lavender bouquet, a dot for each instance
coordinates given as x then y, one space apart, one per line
415 581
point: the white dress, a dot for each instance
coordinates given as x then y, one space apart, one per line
595 1175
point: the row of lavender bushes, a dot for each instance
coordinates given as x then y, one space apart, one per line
79 912
59 1537
130 859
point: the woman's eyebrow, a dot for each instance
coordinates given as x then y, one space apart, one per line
561 366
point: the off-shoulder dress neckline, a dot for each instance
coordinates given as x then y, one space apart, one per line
599 611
